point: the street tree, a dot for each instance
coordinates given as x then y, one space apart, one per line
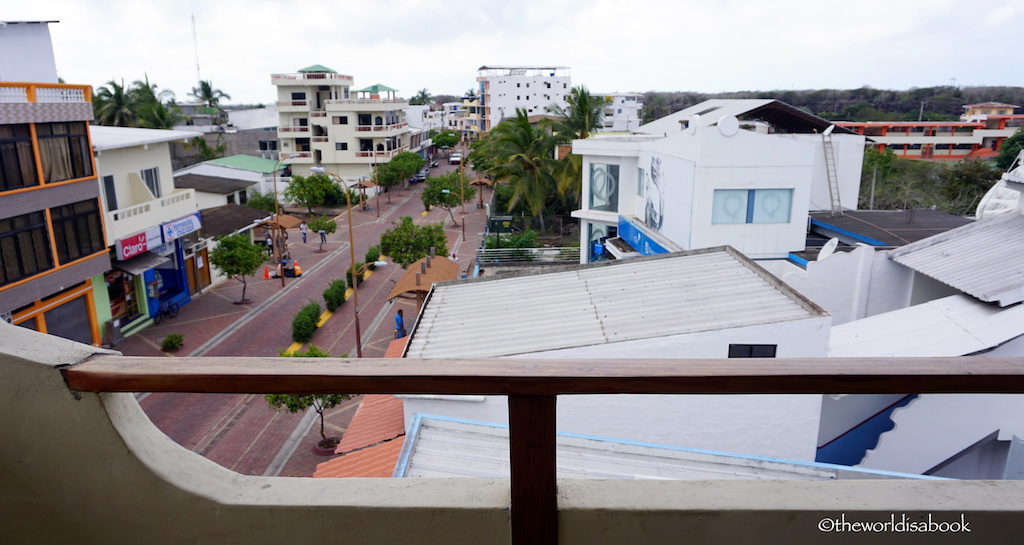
406 242
387 176
295 403
309 191
322 223
236 256
407 163
447 191
445 139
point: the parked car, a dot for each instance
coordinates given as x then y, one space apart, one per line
455 159
419 176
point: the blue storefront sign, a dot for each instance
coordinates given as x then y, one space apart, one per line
635 236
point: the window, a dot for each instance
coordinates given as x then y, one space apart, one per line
17 164
752 350
751 206
341 146
604 187
641 180
298 96
340 120
152 178
268 145
243 197
25 245
365 119
231 198
77 230
108 192
64 151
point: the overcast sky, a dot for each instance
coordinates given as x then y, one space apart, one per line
609 45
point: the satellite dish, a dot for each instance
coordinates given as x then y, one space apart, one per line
729 125
828 249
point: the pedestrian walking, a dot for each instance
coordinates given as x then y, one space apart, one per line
399 325
323 236
303 228
270 244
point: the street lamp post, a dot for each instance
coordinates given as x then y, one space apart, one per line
352 249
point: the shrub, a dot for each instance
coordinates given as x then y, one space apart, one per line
372 254
304 324
172 342
334 295
359 277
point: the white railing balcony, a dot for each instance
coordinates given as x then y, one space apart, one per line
292 105
300 78
44 93
126 482
132 219
293 130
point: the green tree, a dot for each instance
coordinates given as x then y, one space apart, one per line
406 242
1011 147
162 116
407 163
204 151
421 98
208 95
582 116
114 105
448 191
261 201
309 191
322 223
295 403
523 155
146 93
387 176
236 256
964 183
445 139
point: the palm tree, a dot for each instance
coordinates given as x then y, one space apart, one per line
422 97
523 155
582 116
114 105
160 116
206 94
145 92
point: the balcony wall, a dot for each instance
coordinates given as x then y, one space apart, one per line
90 468
129 220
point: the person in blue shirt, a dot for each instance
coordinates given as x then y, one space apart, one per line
399 325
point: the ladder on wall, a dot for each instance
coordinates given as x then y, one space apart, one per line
830 172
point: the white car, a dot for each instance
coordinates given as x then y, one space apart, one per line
455 159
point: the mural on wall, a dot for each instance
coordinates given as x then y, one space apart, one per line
655 209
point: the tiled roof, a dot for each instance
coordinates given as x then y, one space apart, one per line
396 347
441 269
378 418
373 462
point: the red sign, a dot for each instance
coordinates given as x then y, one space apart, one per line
137 244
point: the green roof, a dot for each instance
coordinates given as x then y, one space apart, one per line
318 68
247 162
377 88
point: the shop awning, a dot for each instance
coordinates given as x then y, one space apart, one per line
141 263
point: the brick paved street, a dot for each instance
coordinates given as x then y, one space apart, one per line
241 432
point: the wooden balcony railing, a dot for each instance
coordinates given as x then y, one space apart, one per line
532 387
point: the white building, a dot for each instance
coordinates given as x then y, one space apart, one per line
263 173
711 303
324 121
740 172
503 89
624 111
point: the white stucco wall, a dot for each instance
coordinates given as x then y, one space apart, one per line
34 61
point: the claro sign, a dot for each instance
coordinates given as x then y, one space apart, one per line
134 245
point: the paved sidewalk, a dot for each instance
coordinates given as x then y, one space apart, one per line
241 432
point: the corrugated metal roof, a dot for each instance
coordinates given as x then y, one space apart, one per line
952 326
443 448
984 259
638 298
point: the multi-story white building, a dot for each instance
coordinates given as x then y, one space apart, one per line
623 111
738 172
323 121
532 88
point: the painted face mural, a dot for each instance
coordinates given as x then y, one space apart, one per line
655 209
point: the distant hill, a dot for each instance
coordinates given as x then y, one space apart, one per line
943 103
